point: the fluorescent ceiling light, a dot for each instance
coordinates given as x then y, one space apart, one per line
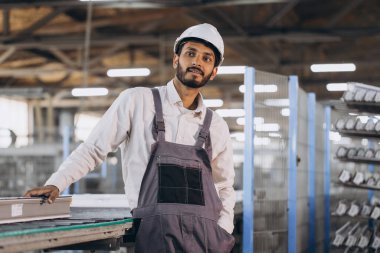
335 136
128 72
260 88
274 135
5 138
230 112
333 67
261 141
242 88
268 127
213 102
285 112
230 70
282 102
98 0
256 120
336 86
239 136
89 92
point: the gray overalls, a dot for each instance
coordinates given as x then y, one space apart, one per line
178 204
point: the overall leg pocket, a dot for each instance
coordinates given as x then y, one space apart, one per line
219 240
173 233
149 238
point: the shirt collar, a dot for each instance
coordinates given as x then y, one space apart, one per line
174 98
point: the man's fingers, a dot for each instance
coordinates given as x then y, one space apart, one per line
27 194
36 192
52 197
33 192
49 191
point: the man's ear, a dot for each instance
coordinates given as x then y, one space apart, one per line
175 61
214 71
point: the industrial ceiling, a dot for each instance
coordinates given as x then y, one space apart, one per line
48 47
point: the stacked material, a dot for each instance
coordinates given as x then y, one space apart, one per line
355 235
27 209
358 92
358 153
352 125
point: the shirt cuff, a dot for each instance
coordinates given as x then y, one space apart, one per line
58 181
225 223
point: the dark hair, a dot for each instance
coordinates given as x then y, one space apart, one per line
206 43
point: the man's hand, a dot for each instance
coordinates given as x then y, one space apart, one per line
51 192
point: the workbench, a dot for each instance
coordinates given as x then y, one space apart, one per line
87 228
97 222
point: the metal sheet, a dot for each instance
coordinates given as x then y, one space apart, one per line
26 209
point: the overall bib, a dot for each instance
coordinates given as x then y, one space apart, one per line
178 204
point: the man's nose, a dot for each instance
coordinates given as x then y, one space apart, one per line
196 62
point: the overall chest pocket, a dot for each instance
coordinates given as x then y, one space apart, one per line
180 181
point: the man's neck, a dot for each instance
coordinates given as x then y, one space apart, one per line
187 95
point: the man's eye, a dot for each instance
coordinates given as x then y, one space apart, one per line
207 59
190 53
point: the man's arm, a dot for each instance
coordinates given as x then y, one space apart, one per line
107 135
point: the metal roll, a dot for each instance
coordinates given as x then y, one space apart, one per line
341 152
369 96
351 152
359 95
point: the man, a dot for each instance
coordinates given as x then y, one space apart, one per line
177 155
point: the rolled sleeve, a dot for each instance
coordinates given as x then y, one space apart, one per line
107 135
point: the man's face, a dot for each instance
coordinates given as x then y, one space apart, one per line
195 65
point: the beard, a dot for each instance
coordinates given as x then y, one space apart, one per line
191 82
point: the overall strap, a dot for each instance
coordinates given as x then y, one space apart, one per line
158 122
204 133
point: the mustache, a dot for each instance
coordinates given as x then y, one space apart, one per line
195 68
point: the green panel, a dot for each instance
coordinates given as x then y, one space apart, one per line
62 228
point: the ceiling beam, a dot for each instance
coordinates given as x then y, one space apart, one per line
231 22
63 57
35 26
8 53
291 36
283 68
106 53
134 3
277 16
5 22
348 6
244 51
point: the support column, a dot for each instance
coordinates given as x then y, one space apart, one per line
327 126
311 139
292 164
248 169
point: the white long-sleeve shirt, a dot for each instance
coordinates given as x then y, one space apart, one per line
128 124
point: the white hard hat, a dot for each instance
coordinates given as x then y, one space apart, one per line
205 32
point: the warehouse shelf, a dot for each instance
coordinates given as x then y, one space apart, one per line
371 107
358 231
356 133
355 218
359 160
361 186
